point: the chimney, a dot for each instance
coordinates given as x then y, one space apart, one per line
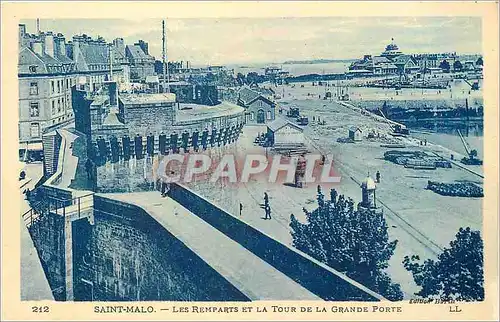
119 45
22 33
76 48
22 30
37 47
49 44
60 45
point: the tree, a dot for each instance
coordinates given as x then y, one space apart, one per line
354 242
254 78
457 274
240 78
479 61
445 65
457 65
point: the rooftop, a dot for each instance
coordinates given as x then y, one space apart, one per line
137 53
280 123
368 183
194 112
247 96
147 98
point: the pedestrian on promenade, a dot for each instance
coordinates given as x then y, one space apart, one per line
377 177
241 208
267 208
268 212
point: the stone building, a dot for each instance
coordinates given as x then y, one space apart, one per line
45 76
406 65
92 60
195 93
258 109
141 63
47 69
282 131
120 58
128 133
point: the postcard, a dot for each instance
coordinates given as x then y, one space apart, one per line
250 161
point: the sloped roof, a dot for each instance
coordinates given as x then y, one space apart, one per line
403 60
380 59
136 52
368 184
354 129
95 54
280 123
111 119
247 96
27 59
64 59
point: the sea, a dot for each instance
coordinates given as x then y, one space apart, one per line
295 69
445 133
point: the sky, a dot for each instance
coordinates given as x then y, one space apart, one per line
212 41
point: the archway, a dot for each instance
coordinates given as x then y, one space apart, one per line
261 117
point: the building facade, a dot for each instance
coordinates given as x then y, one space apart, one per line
282 131
48 67
141 63
45 75
127 134
258 109
392 61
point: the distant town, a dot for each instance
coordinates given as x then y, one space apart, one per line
49 66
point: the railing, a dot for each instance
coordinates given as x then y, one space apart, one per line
61 207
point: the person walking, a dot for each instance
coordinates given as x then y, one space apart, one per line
241 208
268 212
267 208
377 177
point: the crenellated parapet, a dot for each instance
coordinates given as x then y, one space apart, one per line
115 148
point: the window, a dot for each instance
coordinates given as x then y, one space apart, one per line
58 86
58 106
67 83
33 88
52 87
35 130
269 115
53 107
34 109
252 116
